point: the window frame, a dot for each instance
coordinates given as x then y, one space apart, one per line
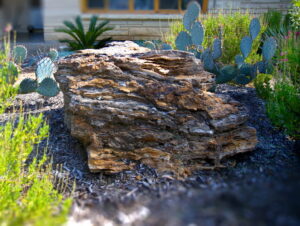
131 10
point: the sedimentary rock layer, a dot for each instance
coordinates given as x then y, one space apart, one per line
126 103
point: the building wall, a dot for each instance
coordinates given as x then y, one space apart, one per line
254 6
143 26
127 26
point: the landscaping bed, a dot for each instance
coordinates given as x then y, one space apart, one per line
262 186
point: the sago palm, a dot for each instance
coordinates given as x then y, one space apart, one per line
85 40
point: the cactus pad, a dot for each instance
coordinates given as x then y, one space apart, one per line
45 68
269 49
246 46
197 34
19 54
239 60
217 49
183 41
248 70
227 73
208 60
262 67
150 45
28 85
48 87
254 28
242 79
53 54
166 46
191 15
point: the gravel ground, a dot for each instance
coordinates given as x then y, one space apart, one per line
260 188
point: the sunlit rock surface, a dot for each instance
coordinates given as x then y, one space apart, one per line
126 103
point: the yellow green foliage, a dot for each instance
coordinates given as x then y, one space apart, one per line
27 193
231 27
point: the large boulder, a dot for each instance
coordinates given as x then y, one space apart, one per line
126 103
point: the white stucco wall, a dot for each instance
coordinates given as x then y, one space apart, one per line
256 6
127 26
55 12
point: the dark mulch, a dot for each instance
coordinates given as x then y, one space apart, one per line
261 187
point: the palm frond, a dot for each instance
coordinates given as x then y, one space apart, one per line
102 43
82 39
70 33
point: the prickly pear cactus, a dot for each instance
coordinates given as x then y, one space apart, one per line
19 54
226 74
150 45
246 46
48 87
208 60
191 15
45 68
217 49
269 49
183 41
242 79
166 46
28 85
53 54
239 60
197 34
254 28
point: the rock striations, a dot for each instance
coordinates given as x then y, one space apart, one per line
126 103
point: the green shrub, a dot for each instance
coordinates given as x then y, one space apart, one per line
289 57
85 40
230 27
283 107
7 90
295 14
262 85
27 195
7 94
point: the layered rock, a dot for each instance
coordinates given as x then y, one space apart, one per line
126 103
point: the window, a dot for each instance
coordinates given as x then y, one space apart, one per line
35 3
139 6
144 4
99 4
